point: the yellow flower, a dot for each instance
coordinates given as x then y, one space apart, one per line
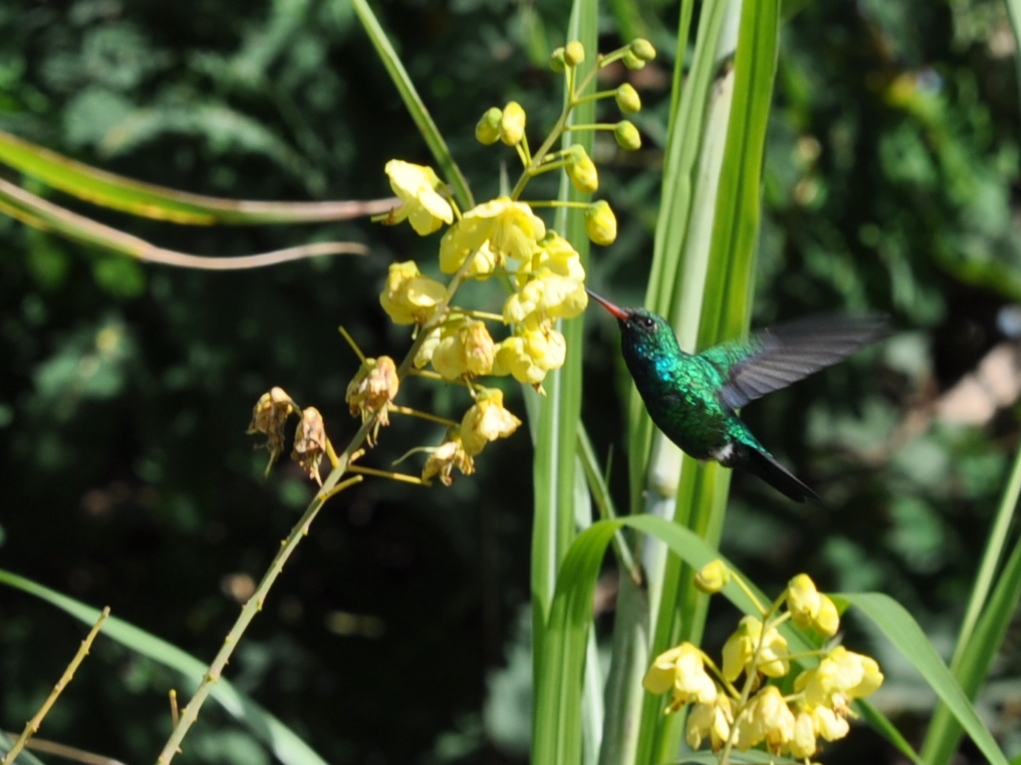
600 223
712 577
681 669
739 651
268 417
409 297
713 720
486 421
417 188
512 229
447 456
556 254
310 443
776 718
841 676
373 387
463 238
829 724
547 295
512 359
465 349
803 600
512 124
803 744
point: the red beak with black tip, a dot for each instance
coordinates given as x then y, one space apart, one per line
617 311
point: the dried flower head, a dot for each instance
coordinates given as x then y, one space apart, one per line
310 443
268 417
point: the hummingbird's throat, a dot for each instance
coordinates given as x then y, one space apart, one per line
617 311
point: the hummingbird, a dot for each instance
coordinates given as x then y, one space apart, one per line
693 398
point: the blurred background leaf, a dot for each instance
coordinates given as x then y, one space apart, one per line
891 181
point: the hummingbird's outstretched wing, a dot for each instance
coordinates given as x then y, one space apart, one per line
775 358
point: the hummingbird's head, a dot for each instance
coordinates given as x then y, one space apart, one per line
645 333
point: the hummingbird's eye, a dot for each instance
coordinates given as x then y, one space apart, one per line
647 322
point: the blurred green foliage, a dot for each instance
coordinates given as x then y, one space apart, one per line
891 182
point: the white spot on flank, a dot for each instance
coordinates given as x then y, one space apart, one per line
723 455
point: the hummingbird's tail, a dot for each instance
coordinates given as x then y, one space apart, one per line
776 475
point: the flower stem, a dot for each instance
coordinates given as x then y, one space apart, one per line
32 726
329 488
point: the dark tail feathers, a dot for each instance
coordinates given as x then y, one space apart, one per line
777 476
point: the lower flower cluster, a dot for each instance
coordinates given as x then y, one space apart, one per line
759 713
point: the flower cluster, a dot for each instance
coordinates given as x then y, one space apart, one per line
504 238
758 713
501 238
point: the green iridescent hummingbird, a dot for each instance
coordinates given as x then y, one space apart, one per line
692 398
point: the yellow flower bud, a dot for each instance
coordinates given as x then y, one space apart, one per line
486 421
600 223
802 600
712 577
827 621
310 443
582 170
627 99
487 131
574 53
512 124
643 49
269 417
417 187
409 297
556 60
627 136
632 62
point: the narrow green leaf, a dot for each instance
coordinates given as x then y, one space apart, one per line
414 104
977 658
903 631
151 201
24 757
277 737
555 453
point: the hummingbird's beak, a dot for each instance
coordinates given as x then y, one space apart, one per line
617 311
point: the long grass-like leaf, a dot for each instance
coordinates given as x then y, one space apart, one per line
554 466
278 738
151 201
46 216
903 631
943 734
414 104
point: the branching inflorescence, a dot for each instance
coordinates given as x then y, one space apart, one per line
502 238
759 712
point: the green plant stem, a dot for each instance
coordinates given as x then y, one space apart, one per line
32 726
300 530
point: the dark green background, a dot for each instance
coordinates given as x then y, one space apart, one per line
125 390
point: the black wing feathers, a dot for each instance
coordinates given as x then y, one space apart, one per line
790 352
